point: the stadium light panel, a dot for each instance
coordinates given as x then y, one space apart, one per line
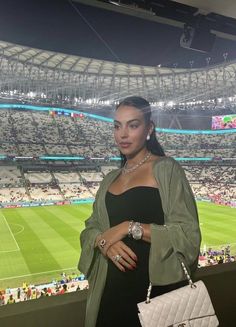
170 104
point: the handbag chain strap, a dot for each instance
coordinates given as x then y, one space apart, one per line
191 283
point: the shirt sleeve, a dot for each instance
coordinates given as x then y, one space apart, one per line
94 225
179 239
87 240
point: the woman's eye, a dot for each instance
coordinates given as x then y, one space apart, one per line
116 126
134 126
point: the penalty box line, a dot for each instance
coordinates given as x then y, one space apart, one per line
12 235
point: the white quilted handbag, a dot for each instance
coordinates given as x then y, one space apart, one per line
188 306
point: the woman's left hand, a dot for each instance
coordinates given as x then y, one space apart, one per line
122 256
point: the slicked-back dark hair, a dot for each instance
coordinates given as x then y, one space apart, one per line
144 106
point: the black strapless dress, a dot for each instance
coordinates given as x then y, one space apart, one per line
123 290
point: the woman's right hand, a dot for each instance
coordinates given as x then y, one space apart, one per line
128 259
111 236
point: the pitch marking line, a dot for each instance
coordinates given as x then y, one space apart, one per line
18 248
21 230
8 251
39 273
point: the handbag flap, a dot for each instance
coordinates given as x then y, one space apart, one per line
178 306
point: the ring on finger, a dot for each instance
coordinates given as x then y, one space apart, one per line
117 257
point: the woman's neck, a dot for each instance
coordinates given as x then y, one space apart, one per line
135 159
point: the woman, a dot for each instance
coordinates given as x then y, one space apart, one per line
144 222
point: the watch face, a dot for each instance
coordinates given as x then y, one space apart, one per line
137 232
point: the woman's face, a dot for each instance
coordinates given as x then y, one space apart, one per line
130 130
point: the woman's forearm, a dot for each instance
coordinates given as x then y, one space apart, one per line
112 235
146 233
118 232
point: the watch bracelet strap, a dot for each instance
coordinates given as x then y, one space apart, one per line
130 228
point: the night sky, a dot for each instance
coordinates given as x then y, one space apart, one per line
56 25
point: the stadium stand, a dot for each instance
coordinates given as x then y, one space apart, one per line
42 193
67 177
13 195
29 133
198 145
38 177
91 176
10 175
75 191
38 133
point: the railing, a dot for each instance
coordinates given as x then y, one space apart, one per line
68 310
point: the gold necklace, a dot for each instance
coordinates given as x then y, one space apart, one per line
126 170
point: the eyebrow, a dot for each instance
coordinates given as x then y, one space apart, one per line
129 121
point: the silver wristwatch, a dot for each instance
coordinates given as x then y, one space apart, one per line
137 231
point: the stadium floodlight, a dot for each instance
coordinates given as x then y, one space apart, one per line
133 7
115 3
170 104
31 94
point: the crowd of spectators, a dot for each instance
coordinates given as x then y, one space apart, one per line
65 284
212 182
28 133
213 256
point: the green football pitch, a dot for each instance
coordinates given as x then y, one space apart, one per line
37 244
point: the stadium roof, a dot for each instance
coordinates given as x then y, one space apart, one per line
25 69
75 64
220 16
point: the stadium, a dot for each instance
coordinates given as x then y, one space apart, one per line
57 144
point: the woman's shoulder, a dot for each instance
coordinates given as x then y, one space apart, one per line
111 175
164 160
166 165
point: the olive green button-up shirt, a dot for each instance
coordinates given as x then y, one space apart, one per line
178 240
